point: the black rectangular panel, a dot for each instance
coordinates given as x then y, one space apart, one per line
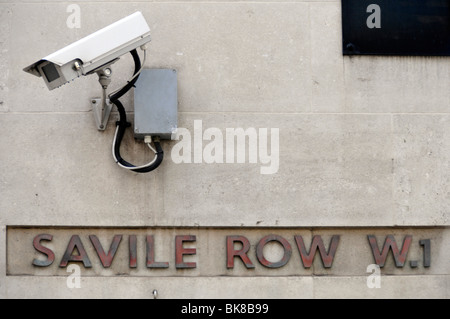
396 27
50 72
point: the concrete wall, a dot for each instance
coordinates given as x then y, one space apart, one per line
364 147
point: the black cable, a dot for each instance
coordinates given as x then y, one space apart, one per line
123 124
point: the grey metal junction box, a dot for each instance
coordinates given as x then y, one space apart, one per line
156 104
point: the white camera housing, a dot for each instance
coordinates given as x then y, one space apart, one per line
93 52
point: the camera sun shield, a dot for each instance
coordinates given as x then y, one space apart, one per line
92 52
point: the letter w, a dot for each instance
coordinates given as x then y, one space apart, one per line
390 243
317 242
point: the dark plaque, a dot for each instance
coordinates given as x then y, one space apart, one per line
396 27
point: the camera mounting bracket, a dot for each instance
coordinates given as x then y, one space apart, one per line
102 107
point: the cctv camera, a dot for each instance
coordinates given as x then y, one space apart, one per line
92 53
95 54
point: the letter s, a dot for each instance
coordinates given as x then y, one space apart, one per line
46 251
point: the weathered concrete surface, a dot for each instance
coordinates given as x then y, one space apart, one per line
421 287
363 142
